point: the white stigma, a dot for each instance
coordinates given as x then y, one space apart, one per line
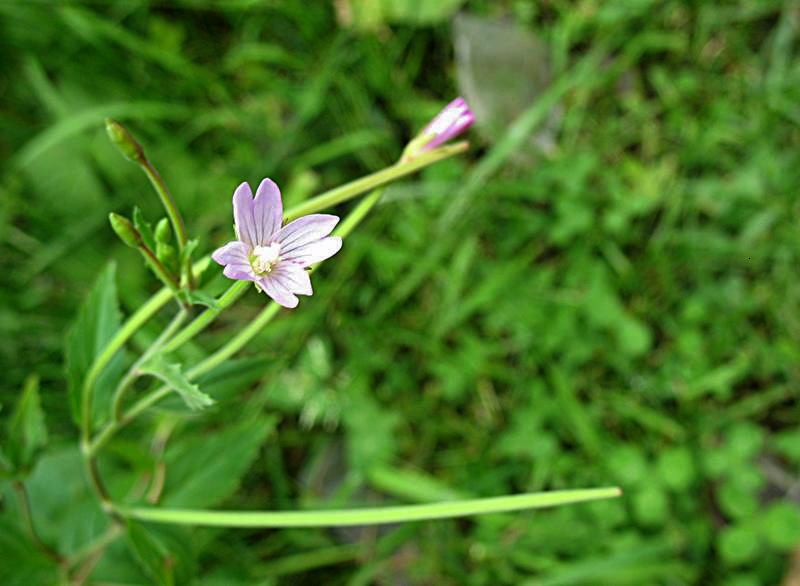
264 258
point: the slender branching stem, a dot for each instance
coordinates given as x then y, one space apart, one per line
133 373
234 292
234 344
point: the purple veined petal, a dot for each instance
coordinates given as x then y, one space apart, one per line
267 211
234 255
305 230
294 278
313 252
278 292
238 273
233 252
246 229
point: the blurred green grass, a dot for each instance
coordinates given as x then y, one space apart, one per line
619 308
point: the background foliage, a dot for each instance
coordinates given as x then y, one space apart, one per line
613 300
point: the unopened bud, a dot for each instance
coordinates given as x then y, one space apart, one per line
125 230
168 256
454 119
124 142
163 231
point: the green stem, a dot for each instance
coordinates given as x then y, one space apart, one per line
133 372
209 315
369 516
130 327
159 269
167 200
369 182
358 213
229 349
97 545
174 215
136 321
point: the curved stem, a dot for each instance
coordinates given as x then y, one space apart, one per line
136 321
133 372
174 215
167 200
369 516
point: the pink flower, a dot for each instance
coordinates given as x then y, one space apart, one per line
275 258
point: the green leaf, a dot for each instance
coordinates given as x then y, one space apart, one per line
145 228
26 428
171 375
97 322
188 250
65 511
151 554
22 563
202 298
207 468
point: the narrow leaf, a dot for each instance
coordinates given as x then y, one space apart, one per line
97 322
22 563
145 228
150 553
26 428
202 298
171 375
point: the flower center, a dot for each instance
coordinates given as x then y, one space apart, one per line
264 258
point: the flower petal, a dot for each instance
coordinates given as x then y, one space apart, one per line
294 278
233 252
267 211
450 122
235 272
305 230
234 255
278 292
246 229
313 252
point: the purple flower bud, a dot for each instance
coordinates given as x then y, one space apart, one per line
454 119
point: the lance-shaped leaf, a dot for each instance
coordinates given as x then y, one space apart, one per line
171 375
26 428
98 321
